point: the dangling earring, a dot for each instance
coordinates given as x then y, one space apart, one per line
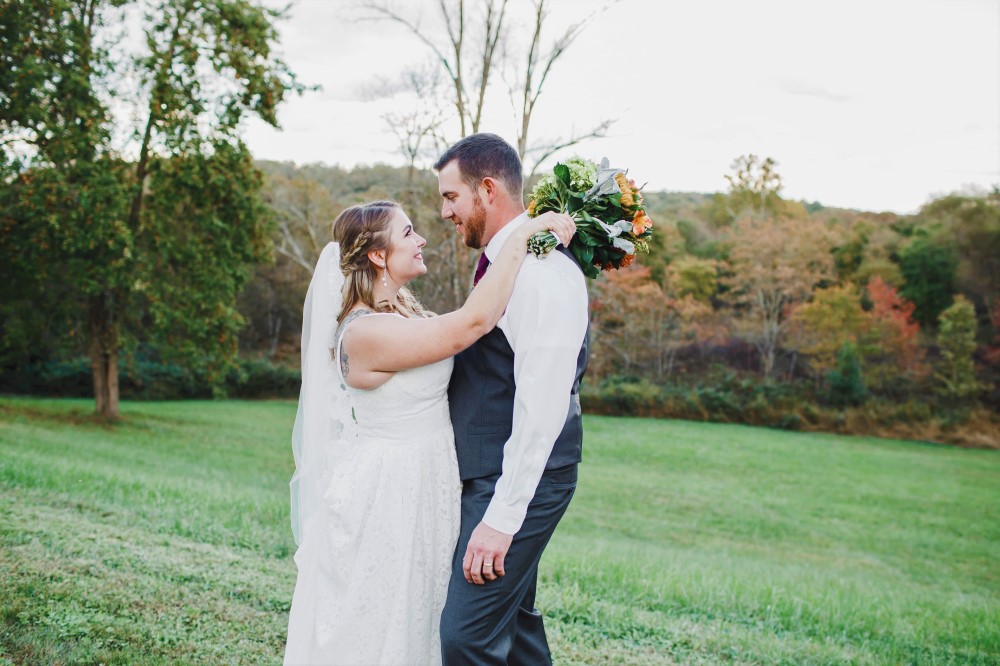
384 283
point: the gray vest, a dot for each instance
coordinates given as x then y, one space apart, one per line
481 399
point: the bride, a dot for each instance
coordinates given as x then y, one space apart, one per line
376 491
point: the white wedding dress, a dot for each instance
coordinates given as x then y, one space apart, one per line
375 560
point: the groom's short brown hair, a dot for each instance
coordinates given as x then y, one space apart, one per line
485 155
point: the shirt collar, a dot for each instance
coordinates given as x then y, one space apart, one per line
496 243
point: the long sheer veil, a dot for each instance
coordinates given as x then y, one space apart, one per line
323 404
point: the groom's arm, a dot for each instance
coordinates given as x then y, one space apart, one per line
545 323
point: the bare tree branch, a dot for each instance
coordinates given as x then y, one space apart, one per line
290 247
455 38
530 89
547 150
491 39
453 14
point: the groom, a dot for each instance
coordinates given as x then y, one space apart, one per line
515 407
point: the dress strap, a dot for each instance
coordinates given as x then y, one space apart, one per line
340 340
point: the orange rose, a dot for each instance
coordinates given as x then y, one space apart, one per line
640 223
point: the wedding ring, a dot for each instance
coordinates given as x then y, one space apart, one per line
487 564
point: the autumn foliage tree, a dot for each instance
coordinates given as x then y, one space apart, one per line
892 322
638 328
774 265
883 338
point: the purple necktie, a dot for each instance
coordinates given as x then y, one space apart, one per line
481 267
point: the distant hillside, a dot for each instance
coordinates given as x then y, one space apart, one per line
379 180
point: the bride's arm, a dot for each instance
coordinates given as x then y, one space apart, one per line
377 345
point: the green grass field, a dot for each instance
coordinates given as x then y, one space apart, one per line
165 540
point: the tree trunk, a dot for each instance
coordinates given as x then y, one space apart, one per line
104 357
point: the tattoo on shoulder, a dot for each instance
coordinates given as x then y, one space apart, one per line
345 362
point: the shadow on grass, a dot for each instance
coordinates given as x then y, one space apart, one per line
74 416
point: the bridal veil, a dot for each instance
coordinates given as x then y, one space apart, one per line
323 403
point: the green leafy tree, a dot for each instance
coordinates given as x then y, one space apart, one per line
821 328
957 339
928 268
846 383
698 278
971 224
152 249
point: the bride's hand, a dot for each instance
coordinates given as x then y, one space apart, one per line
560 224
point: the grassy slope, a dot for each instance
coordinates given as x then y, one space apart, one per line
165 540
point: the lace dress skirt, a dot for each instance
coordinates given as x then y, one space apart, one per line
374 572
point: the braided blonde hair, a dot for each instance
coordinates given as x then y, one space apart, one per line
359 230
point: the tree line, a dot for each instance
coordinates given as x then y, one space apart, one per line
811 311
749 307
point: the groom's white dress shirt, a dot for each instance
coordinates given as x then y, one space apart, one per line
545 323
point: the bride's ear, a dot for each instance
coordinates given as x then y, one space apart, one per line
377 257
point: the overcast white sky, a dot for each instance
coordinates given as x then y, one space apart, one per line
875 104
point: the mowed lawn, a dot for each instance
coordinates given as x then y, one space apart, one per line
165 540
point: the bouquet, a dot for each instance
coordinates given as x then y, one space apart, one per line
611 222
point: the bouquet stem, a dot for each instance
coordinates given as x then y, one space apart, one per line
541 243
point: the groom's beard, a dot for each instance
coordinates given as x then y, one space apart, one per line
475 225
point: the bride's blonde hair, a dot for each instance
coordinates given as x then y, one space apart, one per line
359 230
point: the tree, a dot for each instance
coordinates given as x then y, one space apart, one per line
472 49
957 339
627 310
638 328
157 245
691 276
879 251
992 351
774 265
883 338
847 385
420 108
823 326
754 185
304 210
892 322
526 88
971 225
928 268
469 80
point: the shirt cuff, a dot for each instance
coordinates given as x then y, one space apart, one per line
502 518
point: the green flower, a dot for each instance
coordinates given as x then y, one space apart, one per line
544 190
582 173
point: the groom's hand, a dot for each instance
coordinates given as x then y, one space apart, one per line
484 556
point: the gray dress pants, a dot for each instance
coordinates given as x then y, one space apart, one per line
497 623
